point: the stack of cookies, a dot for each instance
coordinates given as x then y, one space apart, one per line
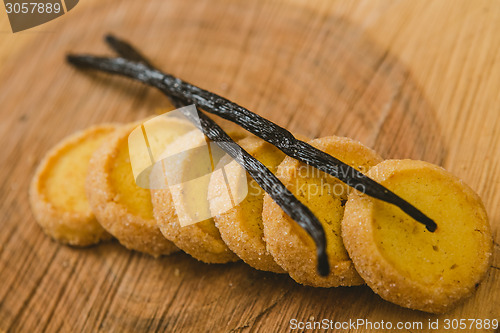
84 191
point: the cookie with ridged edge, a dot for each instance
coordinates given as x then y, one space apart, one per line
123 208
291 247
57 191
241 226
201 240
402 261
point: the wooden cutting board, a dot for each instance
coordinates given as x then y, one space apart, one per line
411 79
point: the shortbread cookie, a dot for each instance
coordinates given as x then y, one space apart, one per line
122 207
201 239
57 191
402 261
291 247
241 226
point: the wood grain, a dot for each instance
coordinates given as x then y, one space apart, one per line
411 79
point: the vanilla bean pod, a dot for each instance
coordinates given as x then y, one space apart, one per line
261 127
262 175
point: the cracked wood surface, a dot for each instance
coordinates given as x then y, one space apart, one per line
411 79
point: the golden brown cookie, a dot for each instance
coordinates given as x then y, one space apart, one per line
202 239
123 208
241 226
291 247
57 191
402 261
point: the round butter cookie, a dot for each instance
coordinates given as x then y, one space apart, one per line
291 247
402 261
122 207
241 226
57 191
182 209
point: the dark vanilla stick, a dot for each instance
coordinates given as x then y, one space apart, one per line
262 175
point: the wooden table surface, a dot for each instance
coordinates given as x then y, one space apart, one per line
412 79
